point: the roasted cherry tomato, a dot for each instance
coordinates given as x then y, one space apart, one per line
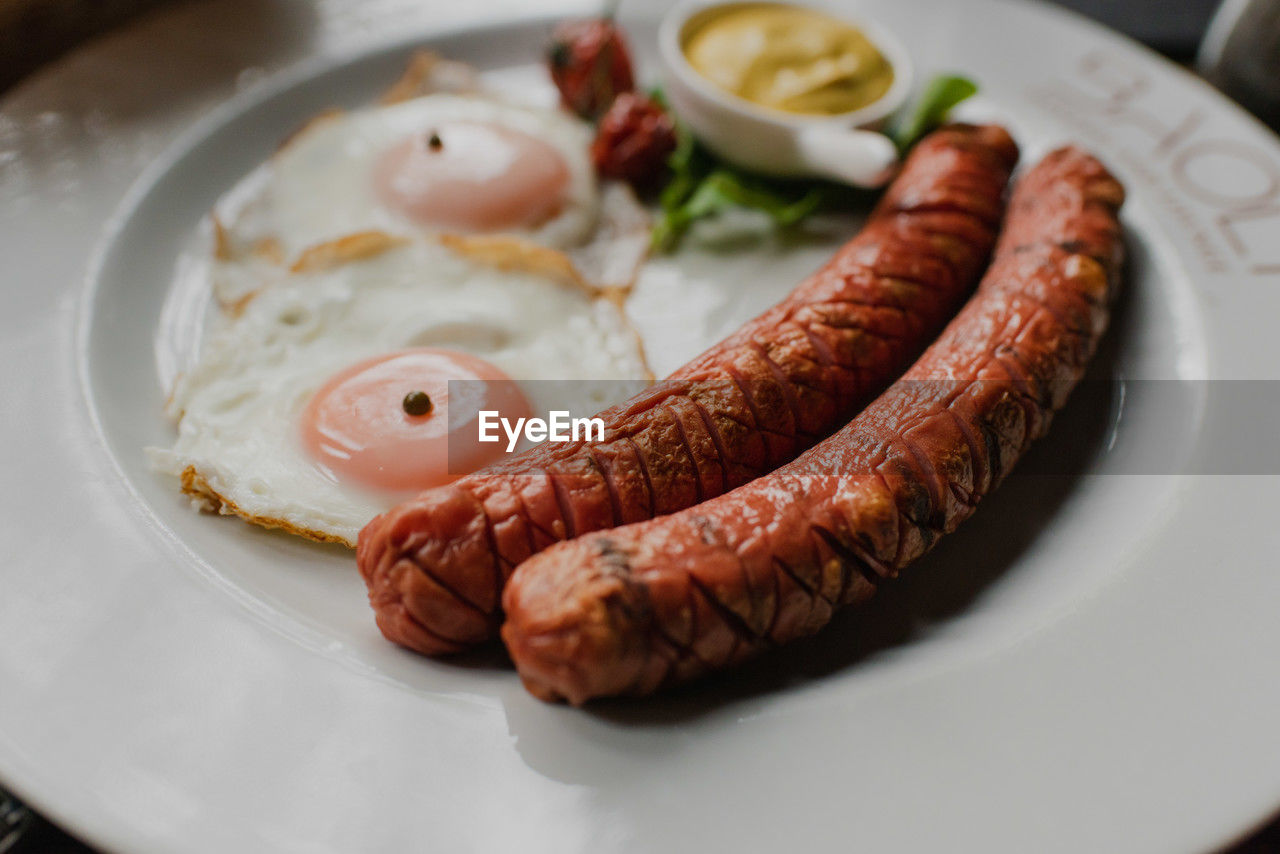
590 65
633 141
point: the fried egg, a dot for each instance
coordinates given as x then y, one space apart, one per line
443 162
297 412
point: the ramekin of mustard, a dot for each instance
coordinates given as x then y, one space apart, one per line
785 89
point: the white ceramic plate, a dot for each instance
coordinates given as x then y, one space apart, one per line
1088 665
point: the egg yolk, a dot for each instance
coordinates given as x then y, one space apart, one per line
474 176
358 426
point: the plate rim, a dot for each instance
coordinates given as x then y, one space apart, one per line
226 111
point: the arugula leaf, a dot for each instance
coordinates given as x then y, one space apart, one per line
930 110
702 185
689 164
724 188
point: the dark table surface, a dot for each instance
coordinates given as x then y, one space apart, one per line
46 28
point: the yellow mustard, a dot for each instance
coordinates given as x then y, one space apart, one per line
787 58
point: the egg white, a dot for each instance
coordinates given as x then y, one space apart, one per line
237 410
319 186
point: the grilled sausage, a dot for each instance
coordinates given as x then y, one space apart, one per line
436 565
631 610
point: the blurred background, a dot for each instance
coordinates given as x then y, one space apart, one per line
34 31
1235 44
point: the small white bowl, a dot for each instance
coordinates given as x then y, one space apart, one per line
842 147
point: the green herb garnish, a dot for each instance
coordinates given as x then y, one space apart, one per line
930 109
702 185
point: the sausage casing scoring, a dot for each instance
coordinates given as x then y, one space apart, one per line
436 565
630 610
